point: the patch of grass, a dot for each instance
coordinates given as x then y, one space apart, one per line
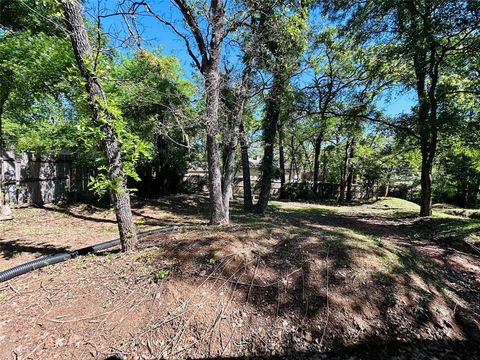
160 274
383 278
409 262
334 243
438 206
3 297
248 219
145 257
208 258
396 203
140 221
449 228
306 231
421 307
15 254
315 209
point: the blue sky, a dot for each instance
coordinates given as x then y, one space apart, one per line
401 102
158 36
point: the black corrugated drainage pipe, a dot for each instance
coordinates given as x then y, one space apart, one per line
54 259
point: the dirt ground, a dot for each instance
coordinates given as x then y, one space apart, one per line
304 281
40 231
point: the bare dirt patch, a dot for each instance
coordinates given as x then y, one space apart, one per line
40 231
304 281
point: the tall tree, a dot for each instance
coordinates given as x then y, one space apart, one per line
236 104
208 45
283 40
104 119
428 34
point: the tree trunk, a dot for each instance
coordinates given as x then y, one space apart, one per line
2 146
247 187
292 158
387 186
2 196
426 63
211 73
350 176
324 174
281 155
103 119
426 184
211 54
269 132
316 164
229 164
218 215
5 88
427 116
343 174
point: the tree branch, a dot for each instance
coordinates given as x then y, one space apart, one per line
192 22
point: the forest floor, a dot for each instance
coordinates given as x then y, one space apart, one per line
303 281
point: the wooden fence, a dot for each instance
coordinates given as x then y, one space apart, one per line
28 179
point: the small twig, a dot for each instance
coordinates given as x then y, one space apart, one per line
94 346
11 287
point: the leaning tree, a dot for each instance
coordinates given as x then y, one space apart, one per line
104 119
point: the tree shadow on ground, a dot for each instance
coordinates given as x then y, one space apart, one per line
11 248
339 277
90 210
180 206
418 350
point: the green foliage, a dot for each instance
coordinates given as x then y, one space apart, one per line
39 16
332 72
160 274
156 103
281 36
133 148
36 87
457 174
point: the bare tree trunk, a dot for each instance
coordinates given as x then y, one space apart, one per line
343 174
316 164
281 161
350 176
428 141
247 187
426 184
103 119
428 144
229 163
292 158
324 173
5 88
219 215
426 65
269 132
387 185
2 147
